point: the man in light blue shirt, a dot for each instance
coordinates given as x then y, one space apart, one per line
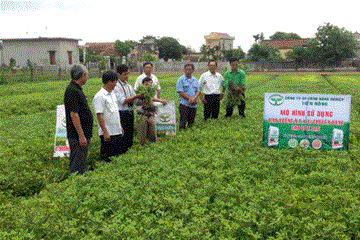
188 89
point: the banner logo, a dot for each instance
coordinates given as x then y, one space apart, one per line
164 117
63 123
276 100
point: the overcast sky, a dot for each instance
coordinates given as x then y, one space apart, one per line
186 20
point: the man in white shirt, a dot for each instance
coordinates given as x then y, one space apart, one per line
147 72
126 96
107 113
211 82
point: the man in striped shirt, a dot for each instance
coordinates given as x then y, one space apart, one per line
126 96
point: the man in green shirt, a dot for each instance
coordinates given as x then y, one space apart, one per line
237 77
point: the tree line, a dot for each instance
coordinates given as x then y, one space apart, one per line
167 47
329 47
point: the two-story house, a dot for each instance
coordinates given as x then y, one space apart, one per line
223 40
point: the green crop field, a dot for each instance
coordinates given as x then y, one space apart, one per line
213 181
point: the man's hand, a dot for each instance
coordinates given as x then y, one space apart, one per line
241 89
221 96
83 142
203 100
164 102
107 136
193 100
122 132
140 96
76 121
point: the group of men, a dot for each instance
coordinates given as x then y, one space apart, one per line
210 88
114 107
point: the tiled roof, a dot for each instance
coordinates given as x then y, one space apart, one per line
221 34
105 49
40 39
286 44
218 35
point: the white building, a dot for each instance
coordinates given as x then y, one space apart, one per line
357 50
43 51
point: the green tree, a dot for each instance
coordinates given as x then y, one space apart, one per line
284 36
148 57
92 55
237 52
259 37
300 55
147 37
211 52
184 50
204 51
81 55
122 48
203 48
102 63
131 43
331 45
112 62
264 52
170 48
12 63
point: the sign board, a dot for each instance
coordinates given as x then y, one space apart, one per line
314 121
165 120
61 148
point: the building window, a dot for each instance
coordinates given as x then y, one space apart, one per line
70 57
52 57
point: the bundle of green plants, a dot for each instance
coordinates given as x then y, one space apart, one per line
233 97
148 92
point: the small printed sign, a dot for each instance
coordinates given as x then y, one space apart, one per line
165 120
314 121
61 148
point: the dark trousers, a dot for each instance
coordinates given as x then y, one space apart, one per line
241 108
187 115
111 148
127 123
212 106
78 156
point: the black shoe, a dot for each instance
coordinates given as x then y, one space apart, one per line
242 115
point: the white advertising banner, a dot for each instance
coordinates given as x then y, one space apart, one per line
317 121
61 148
165 120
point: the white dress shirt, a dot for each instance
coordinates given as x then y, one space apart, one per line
155 80
105 102
123 90
211 83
